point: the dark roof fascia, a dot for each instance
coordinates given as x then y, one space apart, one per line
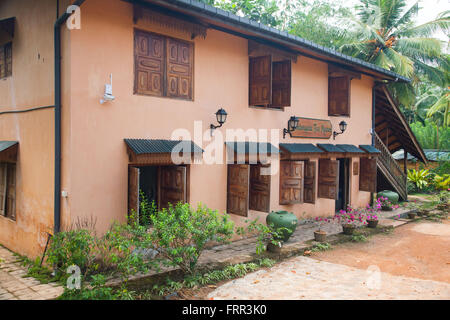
258 30
158 146
300 148
7 144
241 147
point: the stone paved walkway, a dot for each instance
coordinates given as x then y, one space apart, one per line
306 278
13 285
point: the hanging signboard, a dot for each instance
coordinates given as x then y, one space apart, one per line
313 128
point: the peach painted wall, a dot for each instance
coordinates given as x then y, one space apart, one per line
96 175
30 86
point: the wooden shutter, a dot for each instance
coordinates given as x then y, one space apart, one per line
133 190
2 62
237 189
259 189
8 59
11 191
180 57
328 179
310 182
172 185
339 96
260 81
368 174
291 182
149 63
281 84
3 184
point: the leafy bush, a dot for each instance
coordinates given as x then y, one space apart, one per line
181 232
442 182
264 234
418 178
73 247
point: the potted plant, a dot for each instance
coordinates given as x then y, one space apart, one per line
283 220
319 234
349 219
386 205
372 220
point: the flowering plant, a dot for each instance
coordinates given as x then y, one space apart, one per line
321 221
351 216
385 203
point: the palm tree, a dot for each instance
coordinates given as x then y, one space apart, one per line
384 33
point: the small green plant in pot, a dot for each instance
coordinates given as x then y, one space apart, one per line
283 219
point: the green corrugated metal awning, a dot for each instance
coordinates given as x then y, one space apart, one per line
146 146
300 148
328 147
369 149
350 148
7 144
251 147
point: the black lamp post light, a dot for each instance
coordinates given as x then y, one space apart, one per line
292 125
221 116
342 126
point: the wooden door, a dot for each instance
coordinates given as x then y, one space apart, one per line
238 189
368 174
172 186
11 191
3 184
328 179
133 191
259 189
310 182
291 182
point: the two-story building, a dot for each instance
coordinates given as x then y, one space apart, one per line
93 103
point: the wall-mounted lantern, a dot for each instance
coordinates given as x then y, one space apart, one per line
292 125
221 116
342 127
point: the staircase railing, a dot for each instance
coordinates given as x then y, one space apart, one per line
393 170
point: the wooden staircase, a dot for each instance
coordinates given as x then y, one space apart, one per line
390 169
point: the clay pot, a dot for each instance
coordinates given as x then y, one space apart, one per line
348 229
372 223
274 248
412 215
320 236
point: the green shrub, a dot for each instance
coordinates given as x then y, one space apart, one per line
181 232
72 248
418 178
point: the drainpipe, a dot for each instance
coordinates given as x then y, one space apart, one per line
57 43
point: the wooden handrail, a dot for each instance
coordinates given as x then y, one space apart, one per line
393 169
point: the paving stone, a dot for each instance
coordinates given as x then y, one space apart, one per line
6 296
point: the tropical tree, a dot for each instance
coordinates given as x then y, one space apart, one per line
384 32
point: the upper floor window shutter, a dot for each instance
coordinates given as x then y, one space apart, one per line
259 189
260 81
368 175
339 96
328 178
149 64
281 84
291 182
179 68
238 189
310 182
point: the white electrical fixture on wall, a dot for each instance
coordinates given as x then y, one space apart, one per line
108 96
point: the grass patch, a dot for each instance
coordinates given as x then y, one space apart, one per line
359 238
321 247
35 270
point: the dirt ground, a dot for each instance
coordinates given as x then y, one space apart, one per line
408 258
417 250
